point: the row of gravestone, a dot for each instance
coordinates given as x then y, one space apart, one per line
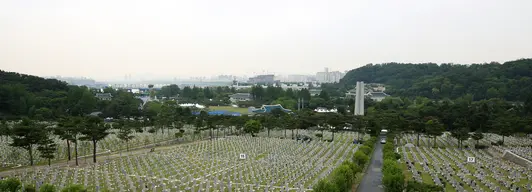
450 165
285 163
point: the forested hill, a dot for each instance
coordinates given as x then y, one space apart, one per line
511 81
32 83
24 94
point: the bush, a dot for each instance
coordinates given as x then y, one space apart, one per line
29 188
392 174
393 182
343 177
74 188
413 186
47 188
10 185
365 149
325 185
397 156
356 169
360 158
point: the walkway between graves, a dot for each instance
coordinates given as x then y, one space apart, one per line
372 181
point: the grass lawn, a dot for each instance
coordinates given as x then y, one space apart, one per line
229 108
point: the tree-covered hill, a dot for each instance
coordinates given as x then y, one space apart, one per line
511 81
26 94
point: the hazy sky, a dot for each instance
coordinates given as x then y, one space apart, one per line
106 39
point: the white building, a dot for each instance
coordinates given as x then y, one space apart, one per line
329 76
234 98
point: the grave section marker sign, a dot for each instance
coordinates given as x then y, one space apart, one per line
242 156
470 159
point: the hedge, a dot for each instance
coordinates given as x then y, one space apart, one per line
393 178
342 177
392 173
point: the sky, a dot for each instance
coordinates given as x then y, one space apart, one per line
106 39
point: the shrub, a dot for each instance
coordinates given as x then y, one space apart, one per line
393 182
397 156
365 149
47 188
414 186
74 188
392 174
480 146
356 169
10 185
29 188
343 177
325 185
360 158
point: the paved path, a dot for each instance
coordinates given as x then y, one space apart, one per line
372 181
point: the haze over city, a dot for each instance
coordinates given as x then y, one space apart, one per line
106 39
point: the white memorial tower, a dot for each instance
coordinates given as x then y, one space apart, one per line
359 98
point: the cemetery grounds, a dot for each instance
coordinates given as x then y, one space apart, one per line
447 165
271 164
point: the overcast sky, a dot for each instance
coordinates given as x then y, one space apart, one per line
106 39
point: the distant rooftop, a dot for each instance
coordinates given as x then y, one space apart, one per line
269 108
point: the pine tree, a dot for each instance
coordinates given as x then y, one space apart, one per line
28 134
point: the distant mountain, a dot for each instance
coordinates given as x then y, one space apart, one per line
511 80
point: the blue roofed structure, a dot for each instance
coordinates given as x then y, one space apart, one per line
227 113
269 108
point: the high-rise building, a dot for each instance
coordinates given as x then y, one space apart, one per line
262 79
329 76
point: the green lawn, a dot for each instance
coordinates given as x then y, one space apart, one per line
229 108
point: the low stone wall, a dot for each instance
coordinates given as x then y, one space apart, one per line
508 155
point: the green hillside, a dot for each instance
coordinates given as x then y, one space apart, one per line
511 80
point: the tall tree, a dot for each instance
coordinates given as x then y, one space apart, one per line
460 131
47 148
477 136
125 131
68 129
4 129
28 134
434 129
252 127
95 130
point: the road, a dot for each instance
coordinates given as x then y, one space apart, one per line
372 181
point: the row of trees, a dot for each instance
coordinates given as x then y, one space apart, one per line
27 134
421 116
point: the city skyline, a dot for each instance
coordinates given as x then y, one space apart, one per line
164 38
